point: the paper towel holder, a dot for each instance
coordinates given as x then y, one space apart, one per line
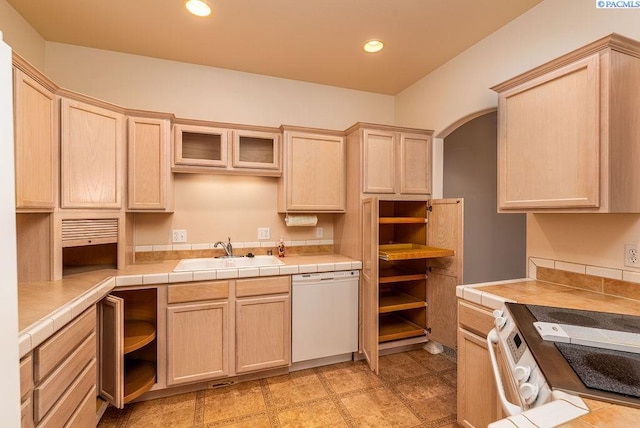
301 220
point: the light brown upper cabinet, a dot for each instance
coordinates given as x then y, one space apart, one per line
256 150
200 146
92 154
219 148
314 177
36 142
392 161
569 132
150 181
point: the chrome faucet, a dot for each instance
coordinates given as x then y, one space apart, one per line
227 247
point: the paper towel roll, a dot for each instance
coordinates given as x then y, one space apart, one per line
301 220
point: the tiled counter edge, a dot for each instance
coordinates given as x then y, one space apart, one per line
471 293
44 328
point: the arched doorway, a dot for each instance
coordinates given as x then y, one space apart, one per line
494 244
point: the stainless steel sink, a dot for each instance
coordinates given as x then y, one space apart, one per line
226 263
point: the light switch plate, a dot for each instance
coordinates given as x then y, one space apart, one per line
319 232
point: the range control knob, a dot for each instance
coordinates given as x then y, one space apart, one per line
529 392
522 373
500 322
498 313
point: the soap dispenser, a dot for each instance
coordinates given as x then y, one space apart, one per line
281 247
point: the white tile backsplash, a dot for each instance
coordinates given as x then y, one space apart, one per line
570 267
604 272
631 276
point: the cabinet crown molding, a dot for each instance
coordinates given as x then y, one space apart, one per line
613 41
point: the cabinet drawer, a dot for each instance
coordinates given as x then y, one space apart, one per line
262 286
48 355
47 393
72 398
26 413
85 416
194 292
26 375
475 318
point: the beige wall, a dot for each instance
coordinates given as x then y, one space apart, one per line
21 36
461 88
212 207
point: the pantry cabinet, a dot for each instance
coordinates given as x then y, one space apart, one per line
314 177
263 323
128 347
568 132
92 156
392 160
412 253
36 118
198 331
149 178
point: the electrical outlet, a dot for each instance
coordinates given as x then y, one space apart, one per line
264 233
631 256
179 235
319 232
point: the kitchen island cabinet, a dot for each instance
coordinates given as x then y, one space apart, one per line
568 133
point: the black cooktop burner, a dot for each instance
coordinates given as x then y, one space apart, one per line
602 374
604 369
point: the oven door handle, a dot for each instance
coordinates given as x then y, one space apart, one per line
510 408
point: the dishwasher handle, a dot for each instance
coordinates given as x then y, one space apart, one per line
510 408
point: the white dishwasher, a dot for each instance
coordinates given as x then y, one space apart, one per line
324 315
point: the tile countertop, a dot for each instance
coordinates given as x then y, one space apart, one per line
531 291
46 306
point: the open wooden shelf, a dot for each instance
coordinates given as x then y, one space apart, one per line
137 334
404 251
139 377
393 327
395 274
396 301
402 220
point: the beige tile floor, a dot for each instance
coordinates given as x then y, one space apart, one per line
414 389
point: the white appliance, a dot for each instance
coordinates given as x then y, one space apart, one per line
324 315
536 404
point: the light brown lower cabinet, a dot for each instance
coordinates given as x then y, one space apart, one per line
263 323
197 342
263 333
59 377
478 403
128 346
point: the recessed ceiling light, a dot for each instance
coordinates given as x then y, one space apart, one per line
198 7
373 46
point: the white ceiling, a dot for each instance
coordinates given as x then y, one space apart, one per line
316 41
